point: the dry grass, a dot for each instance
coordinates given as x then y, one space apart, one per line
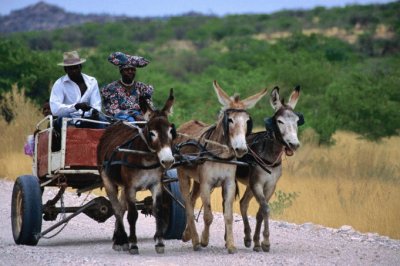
367 205
354 182
13 161
349 35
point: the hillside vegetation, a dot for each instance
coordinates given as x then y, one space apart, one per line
346 61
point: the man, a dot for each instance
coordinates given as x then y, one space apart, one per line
121 97
74 94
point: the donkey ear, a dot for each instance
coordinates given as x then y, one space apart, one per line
145 107
167 109
223 98
294 97
274 100
249 102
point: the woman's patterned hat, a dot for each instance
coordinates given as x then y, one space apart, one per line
124 60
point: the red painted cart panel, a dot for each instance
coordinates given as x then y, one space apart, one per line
81 147
43 153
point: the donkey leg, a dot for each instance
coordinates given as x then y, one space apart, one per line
265 244
190 230
205 192
262 215
157 210
259 195
244 206
195 193
229 188
256 236
120 239
132 219
268 191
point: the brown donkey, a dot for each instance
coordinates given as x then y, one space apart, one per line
226 140
265 164
135 171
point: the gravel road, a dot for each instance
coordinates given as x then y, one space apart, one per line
86 242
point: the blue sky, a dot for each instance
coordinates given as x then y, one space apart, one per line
144 8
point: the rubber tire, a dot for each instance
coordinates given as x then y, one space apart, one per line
26 210
177 214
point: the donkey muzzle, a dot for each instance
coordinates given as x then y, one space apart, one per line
166 158
240 152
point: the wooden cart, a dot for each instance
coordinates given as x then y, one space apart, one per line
69 161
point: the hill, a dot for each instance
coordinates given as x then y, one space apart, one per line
43 16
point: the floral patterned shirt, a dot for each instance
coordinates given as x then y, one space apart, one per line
118 100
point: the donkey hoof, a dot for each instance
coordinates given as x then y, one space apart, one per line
186 237
265 247
204 244
196 247
257 248
123 247
232 250
247 243
134 250
160 248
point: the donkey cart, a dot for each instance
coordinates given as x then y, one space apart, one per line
72 164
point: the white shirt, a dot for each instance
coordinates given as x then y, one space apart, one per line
66 93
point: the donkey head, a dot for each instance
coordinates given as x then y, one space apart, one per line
236 122
286 119
159 132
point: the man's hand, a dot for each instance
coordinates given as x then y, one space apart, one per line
95 114
82 106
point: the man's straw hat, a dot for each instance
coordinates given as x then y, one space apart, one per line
71 59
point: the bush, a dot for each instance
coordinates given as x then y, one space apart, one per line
282 201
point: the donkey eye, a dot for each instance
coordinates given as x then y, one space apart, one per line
230 120
280 122
152 134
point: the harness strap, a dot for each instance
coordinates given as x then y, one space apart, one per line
206 135
131 165
128 144
264 163
202 149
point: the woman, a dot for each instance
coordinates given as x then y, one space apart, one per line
121 97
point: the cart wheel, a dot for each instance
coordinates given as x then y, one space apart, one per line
26 210
176 222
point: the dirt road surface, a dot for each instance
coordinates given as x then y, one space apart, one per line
86 242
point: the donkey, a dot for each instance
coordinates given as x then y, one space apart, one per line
135 171
265 163
228 137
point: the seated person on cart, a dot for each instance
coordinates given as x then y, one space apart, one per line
46 111
121 97
75 94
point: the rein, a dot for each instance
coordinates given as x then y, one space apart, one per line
269 134
263 163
